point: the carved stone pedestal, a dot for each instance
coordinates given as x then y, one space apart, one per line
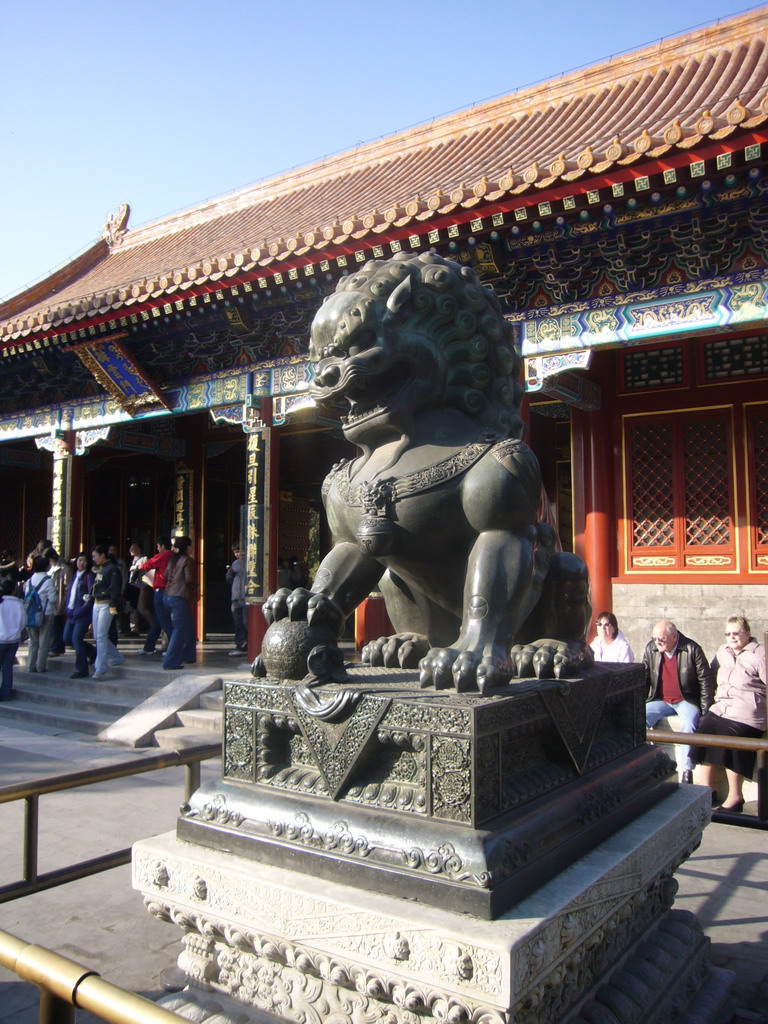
377 852
456 800
596 943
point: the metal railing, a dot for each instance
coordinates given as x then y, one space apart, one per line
703 739
30 792
66 985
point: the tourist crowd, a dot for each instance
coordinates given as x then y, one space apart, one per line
53 604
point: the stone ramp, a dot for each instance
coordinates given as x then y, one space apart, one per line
95 706
142 724
54 699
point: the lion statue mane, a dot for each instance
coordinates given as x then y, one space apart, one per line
443 509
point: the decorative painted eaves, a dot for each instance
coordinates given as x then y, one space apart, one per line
669 105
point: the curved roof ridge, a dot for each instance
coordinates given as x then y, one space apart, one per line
673 95
520 103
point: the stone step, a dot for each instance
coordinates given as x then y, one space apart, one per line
108 707
202 719
214 700
135 667
180 737
26 714
129 688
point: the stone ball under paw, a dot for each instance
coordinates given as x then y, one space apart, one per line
287 645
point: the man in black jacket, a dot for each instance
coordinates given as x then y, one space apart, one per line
107 587
678 681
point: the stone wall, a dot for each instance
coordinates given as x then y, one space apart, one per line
698 610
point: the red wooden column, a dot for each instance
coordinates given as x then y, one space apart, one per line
593 471
371 621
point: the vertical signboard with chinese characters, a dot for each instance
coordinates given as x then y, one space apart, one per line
182 511
256 549
60 523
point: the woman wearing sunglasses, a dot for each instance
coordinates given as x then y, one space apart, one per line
610 644
739 709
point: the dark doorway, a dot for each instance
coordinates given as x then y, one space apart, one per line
223 497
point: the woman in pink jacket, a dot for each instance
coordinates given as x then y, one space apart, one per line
739 709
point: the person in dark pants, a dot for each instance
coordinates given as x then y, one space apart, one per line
61 573
161 620
79 612
739 710
13 619
236 578
180 591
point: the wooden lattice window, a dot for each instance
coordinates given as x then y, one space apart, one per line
680 493
758 477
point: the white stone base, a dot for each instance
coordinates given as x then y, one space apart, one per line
307 951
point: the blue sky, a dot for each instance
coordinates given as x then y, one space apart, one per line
165 104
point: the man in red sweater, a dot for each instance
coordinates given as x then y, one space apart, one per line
161 617
678 681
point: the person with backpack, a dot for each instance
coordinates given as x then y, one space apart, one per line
40 604
13 621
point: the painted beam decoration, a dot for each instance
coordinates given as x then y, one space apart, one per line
224 390
119 374
648 316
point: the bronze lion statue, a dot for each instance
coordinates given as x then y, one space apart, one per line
442 508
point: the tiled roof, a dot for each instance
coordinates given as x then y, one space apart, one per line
666 99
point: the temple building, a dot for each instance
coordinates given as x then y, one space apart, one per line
158 383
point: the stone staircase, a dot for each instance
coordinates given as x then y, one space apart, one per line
54 700
197 726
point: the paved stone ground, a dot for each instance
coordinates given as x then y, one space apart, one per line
101 922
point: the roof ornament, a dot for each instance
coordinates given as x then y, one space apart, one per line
117 225
615 151
643 142
705 124
736 113
673 133
558 166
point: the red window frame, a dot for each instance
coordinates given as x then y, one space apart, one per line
690 495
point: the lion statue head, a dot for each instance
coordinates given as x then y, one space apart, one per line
409 334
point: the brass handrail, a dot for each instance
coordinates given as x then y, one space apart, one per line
65 985
30 793
705 739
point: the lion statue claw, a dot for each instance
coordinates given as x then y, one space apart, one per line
403 650
442 510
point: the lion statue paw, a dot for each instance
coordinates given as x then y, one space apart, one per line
403 650
550 659
464 670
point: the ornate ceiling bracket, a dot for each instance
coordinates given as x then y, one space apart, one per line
551 375
119 375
